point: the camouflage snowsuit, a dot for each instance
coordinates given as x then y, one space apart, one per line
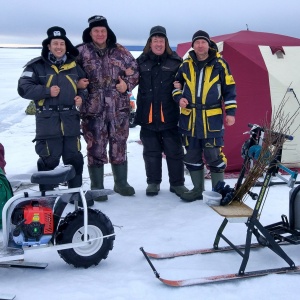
105 113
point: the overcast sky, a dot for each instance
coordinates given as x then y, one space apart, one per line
26 22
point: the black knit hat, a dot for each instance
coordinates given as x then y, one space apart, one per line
57 32
158 30
200 35
99 21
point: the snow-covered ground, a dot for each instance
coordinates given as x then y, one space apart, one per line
160 223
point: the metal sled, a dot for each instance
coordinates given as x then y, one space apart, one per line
272 236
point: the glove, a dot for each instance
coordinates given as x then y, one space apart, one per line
227 199
219 187
227 189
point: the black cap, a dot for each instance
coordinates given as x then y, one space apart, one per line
200 35
158 30
57 32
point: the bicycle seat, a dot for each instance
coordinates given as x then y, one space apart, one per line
56 176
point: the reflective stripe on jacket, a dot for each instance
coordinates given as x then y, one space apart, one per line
52 117
208 90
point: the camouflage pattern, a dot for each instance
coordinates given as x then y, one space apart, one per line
31 109
105 113
111 128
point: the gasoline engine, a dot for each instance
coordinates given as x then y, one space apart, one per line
33 224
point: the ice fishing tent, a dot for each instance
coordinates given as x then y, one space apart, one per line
264 66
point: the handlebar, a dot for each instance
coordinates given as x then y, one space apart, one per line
286 136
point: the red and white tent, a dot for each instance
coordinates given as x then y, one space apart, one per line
264 66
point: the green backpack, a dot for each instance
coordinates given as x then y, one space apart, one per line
30 110
6 193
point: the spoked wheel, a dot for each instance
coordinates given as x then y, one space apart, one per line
71 230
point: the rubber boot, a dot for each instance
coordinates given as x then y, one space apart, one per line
96 177
198 182
178 189
152 189
120 176
215 178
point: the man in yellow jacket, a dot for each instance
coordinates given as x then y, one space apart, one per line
204 87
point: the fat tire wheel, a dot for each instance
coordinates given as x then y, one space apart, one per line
71 230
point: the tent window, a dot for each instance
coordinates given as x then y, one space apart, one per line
278 50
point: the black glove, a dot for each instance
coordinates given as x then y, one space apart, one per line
227 199
219 187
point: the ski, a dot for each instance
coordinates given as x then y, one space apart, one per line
228 277
7 296
219 278
173 254
23 264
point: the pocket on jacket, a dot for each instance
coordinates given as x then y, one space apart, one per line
70 123
185 118
185 111
214 119
144 110
47 124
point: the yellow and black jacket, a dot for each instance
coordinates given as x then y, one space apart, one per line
209 91
55 116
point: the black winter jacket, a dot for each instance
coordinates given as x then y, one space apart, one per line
55 116
156 109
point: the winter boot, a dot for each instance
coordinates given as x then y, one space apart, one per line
152 189
75 182
198 182
96 177
120 176
215 178
178 189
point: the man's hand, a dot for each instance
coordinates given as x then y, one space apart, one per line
78 101
129 71
183 102
177 85
121 86
54 91
82 83
230 120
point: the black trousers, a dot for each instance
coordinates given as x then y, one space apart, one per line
210 149
68 148
155 144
